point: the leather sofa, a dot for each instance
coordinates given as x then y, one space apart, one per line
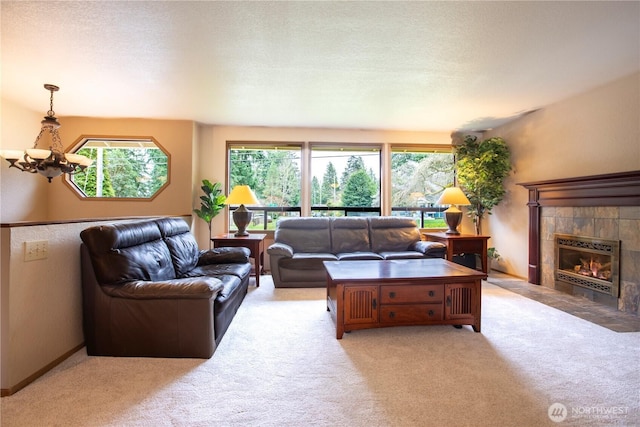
149 291
301 244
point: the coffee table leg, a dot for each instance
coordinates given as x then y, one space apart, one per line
339 311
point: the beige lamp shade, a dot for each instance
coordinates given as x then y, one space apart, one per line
453 196
241 195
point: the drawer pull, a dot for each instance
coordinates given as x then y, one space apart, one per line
392 314
374 304
430 313
392 294
431 293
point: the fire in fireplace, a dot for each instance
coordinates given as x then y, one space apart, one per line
588 262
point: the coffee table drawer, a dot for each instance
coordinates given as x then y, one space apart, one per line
411 294
410 313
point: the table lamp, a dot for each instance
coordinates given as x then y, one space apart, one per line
241 195
453 196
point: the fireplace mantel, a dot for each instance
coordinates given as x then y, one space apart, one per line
615 189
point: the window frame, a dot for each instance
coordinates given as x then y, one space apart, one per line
347 147
384 150
264 210
83 139
420 148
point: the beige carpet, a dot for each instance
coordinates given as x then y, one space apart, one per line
280 365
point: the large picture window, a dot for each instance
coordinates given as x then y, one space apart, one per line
329 179
273 173
418 177
345 180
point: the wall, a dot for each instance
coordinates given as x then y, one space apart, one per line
41 311
177 138
596 132
19 128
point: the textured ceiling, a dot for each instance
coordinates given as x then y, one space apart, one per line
439 66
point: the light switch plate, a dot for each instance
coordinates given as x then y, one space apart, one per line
36 250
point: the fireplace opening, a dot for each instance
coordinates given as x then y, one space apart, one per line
588 262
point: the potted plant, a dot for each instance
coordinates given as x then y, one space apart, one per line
481 169
493 255
211 203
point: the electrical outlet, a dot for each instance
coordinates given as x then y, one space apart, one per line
36 250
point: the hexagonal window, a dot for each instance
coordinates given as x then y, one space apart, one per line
122 168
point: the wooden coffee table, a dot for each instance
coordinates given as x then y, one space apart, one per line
376 294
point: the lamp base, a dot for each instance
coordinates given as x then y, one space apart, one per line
241 218
453 217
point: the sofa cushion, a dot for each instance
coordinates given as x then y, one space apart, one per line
232 269
401 255
392 234
128 251
190 288
308 261
181 243
227 302
306 234
359 255
350 234
224 255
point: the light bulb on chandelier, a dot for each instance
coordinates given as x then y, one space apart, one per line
50 162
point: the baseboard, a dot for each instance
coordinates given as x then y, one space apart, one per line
40 372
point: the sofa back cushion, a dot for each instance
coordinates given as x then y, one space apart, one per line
349 234
182 244
304 234
128 251
392 233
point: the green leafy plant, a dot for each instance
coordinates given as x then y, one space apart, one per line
211 203
481 170
492 253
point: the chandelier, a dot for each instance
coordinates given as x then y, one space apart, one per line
52 162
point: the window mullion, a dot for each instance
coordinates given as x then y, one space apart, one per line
305 176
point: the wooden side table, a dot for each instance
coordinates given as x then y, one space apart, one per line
462 244
253 242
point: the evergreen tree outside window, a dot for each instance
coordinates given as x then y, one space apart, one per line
347 179
418 177
273 173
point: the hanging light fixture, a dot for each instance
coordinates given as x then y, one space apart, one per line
52 162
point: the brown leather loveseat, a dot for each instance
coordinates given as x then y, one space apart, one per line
149 291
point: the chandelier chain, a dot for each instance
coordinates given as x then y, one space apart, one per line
51 113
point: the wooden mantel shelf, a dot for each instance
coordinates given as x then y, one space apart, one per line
615 189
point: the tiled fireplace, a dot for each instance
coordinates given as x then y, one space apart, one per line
602 208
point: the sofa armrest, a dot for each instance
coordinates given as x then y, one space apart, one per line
186 288
429 247
224 255
280 249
